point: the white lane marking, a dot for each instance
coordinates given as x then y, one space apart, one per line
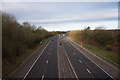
73 53
34 62
71 66
88 71
46 61
63 72
42 77
90 59
80 61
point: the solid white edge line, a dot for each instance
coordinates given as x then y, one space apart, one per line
35 62
88 71
71 66
42 77
91 60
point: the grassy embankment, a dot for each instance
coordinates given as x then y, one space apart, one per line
110 55
102 42
18 42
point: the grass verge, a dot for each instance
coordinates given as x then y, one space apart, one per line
112 56
107 54
11 68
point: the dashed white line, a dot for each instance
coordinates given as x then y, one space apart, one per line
34 62
42 77
46 61
90 59
88 71
80 61
73 53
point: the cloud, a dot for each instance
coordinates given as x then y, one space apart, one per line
80 25
60 1
91 16
65 14
28 7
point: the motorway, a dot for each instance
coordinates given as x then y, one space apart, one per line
46 65
60 59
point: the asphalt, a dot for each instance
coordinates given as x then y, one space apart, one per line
59 59
83 67
47 64
65 69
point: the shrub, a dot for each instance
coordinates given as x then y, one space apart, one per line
17 38
107 39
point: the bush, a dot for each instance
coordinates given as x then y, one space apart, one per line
107 39
17 38
109 47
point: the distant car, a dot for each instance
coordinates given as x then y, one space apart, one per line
60 44
52 40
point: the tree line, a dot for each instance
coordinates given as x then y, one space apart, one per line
99 37
17 38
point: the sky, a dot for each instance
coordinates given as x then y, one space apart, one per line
65 16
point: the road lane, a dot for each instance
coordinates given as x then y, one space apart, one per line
29 62
52 68
43 70
61 59
79 69
96 71
64 66
85 70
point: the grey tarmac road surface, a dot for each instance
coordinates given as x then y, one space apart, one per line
59 59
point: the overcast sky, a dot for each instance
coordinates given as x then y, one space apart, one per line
64 16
